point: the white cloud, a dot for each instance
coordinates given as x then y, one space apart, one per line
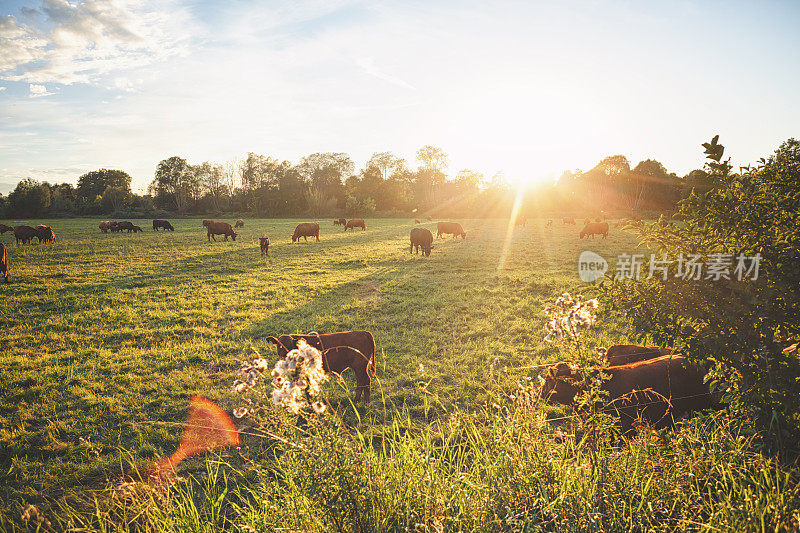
81 42
39 90
2 88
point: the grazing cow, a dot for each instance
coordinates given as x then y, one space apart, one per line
340 222
162 224
207 223
264 242
4 228
521 221
306 230
657 391
105 226
3 262
421 238
625 354
116 227
595 228
453 228
568 220
341 350
239 224
549 224
220 228
355 223
135 229
128 226
24 234
45 233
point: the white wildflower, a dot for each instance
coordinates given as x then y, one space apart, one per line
240 412
318 407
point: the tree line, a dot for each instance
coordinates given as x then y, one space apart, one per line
328 184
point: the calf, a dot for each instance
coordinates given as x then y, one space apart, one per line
355 223
625 354
239 224
3 262
306 230
264 242
45 233
421 238
24 234
220 228
453 228
359 355
595 228
162 224
658 391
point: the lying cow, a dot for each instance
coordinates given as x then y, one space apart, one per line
341 350
306 230
264 242
355 223
165 225
658 391
24 234
3 262
4 228
453 228
421 238
220 228
45 233
239 224
595 228
625 354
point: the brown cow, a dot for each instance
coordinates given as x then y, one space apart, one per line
239 224
306 230
3 262
162 224
421 238
340 222
116 227
625 354
359 354
595 228
126 225
4 228
207 223
104 226
45 233
568 220
657 391
264 242
24 233
453 228
220 228
355 223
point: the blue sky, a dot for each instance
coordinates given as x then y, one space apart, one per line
527 88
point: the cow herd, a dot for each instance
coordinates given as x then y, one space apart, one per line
116 227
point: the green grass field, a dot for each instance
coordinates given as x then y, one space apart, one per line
106 336
103 332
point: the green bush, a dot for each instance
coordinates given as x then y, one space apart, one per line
745 325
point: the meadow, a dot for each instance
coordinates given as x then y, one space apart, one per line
106 336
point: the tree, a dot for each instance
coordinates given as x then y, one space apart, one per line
174 183
746 321
114 198
30 198
93 184
432 158
386 163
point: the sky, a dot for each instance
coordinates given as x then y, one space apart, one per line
525 88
